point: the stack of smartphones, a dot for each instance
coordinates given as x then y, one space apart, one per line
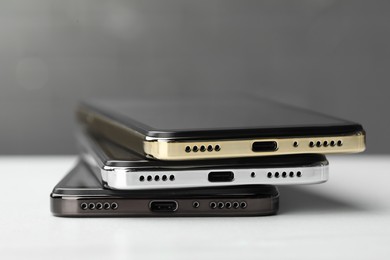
196 157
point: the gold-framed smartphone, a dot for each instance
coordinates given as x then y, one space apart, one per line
208 128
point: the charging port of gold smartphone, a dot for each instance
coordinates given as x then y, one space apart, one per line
266 146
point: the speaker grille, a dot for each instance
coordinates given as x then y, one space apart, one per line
228 205
99 206
202 148
291 174
326 143
156 178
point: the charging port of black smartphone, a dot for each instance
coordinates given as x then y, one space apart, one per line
266 146
221 176
163 206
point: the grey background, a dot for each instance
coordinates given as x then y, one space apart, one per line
330 56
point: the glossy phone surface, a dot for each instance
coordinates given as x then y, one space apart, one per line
194 128
219 118
81 194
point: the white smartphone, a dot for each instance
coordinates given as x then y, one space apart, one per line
124 170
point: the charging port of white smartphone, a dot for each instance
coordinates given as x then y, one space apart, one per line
221 176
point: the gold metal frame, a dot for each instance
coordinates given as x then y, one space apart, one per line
164 149
175 150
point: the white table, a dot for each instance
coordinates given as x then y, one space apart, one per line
348 217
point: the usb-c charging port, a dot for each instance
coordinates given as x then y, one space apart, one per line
163 206
267 146
221 176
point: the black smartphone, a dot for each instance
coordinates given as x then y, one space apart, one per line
80 194
205 128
